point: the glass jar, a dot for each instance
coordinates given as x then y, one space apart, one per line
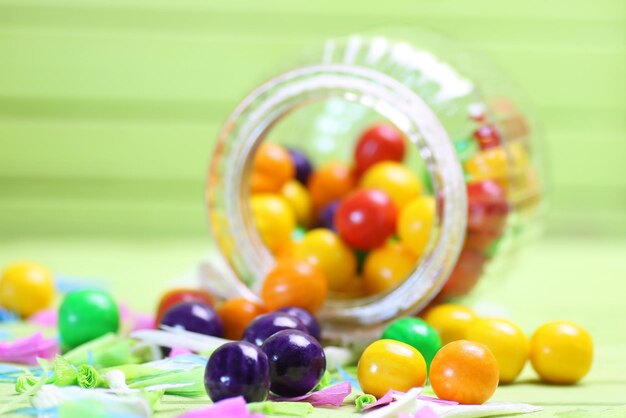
470 138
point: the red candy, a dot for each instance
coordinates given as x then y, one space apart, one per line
366 219
381 142
465 274
487 137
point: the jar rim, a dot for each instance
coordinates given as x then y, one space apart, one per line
227 191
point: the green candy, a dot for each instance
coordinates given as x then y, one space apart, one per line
416 333
86 315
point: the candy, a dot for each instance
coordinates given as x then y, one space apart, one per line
298 198
324 249
330 182
274 219
195 317
416 333
267 325
326 216
26 288
390 365
294 283
85 315
487 137
297 362
237 369
397 181
464 276
561 352
487 213
236 314
381 142
302 164
415 222
271 169
450 321
307 319
175 296
366 218
386 267
465 372
507 342
489 164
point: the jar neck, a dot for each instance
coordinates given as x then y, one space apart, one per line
228 189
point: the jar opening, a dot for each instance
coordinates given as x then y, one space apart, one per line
294 96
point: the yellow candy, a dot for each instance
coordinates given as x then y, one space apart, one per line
390 364
415 223
490 164
561 352
298 197
451 321
386 267
323 248
273 218
507 342
26 288
398 182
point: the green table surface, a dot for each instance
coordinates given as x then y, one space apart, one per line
582 280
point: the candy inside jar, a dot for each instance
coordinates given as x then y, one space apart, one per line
395 177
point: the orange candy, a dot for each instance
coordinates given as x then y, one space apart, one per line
465 372
272 168
330 182
294 283
236 314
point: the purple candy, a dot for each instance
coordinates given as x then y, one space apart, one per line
326 216
302 164
194 317
297 362
267 325
307 318
237 369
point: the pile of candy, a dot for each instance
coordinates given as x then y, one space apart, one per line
273 357
365 225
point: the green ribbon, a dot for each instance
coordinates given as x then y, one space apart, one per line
88 377
364 400
295 409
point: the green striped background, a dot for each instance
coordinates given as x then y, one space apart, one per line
108 108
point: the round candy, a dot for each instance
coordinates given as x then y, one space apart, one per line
326 215
389 364
561 352
465 275
416 333
297 362
271 169
450 321
507 342
415 222
85 315
489 164
294 283
26 288
237 369
298 198
274 219
307 318
487 137
269 324
303 165
194 317
330 182
465 372
175 296
397 181
386 267
324 249
381 142
487 213
236 314
366 218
